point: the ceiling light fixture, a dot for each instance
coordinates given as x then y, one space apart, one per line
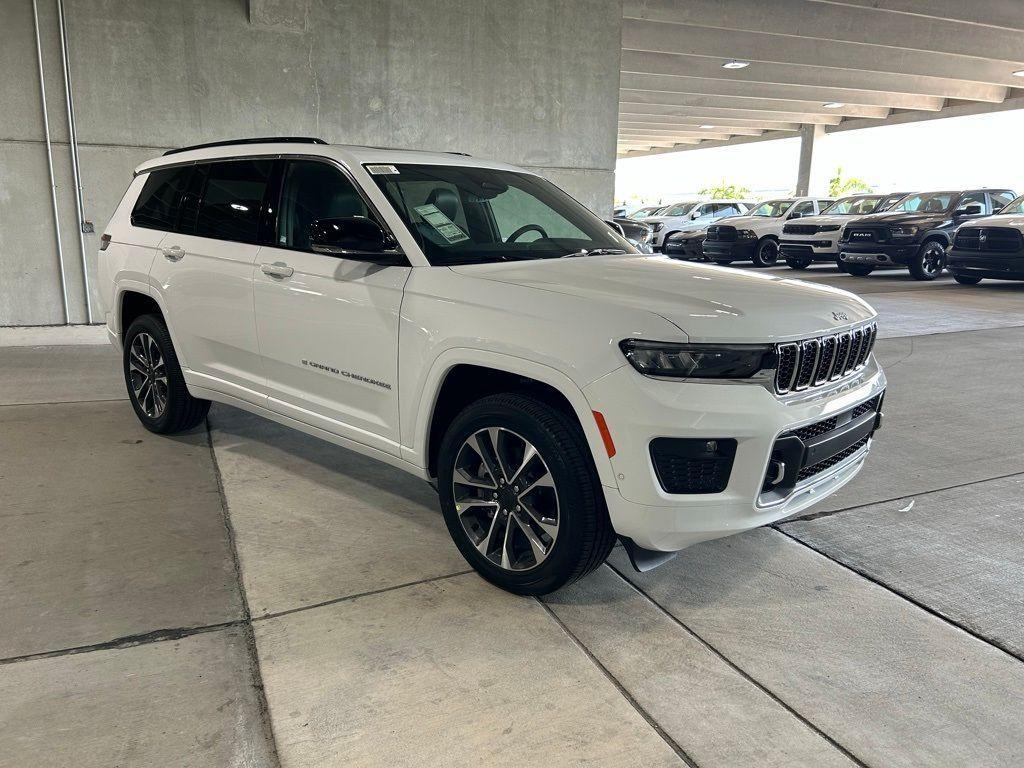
833 104
1019 73
707 127
734 64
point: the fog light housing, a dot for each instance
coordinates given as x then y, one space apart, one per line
693 465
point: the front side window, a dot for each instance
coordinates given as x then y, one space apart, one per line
313 190
973 198
229 208
850 206
806 208
157 206
678 210
464 215
772 208
929 202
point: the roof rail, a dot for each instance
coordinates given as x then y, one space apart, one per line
264 140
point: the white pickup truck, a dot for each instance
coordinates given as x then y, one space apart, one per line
755 237
688 216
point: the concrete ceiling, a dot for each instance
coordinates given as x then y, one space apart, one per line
876 62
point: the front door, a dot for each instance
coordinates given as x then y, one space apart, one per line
328 326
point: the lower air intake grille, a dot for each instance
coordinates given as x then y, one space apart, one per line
693 465
830 462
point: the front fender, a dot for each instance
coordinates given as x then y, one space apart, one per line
450 358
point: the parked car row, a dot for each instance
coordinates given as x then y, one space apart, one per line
975 233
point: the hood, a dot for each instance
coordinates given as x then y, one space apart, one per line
901 217
1014 220
749 221
820 220
707 303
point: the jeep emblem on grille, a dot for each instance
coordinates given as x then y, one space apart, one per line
840 317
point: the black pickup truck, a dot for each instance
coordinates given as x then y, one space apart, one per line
915 232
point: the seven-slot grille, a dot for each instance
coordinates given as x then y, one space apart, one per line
814 362
988 239
721 232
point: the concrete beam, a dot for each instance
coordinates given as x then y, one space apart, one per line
734 141
860 25
758 46
955 110
639 102
779 92
650 128
1004 14
820 77
749 104
672 135
655 119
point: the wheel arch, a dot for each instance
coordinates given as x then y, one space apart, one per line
462 376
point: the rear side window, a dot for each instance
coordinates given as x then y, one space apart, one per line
157 206
232 198
1001 199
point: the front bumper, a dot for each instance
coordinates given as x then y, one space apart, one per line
878 254
998 266
734 250
817 248
639 409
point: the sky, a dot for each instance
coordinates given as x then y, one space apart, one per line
951 153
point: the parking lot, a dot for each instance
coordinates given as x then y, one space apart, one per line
246 595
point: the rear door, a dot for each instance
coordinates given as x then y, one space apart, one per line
204 272
328 326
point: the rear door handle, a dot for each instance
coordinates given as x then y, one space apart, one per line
173 253
277 269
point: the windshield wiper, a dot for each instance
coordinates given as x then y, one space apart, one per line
593 252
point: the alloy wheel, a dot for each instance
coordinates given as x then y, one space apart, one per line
148 375
506 499
932 260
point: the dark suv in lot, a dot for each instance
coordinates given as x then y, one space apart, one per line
915 232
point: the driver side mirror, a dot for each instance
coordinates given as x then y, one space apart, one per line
969 210
357 238
616 226
794 215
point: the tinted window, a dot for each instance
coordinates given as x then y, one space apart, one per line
157 206
311 191
806 208
973 198
232 197
726 210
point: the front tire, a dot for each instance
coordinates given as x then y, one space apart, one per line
967 279
857 270
929 261
766 252
156 387
798 263
520 494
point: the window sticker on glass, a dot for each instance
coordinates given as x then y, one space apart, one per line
382 170
445 227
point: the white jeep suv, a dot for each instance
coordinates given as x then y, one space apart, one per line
470 323
755 237
686 217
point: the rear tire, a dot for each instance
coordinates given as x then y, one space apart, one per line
156 386
967 279
766 252
929 261
491 517
798 263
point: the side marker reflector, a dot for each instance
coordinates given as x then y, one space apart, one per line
602 427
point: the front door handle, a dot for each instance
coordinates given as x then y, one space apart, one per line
277 269
173 253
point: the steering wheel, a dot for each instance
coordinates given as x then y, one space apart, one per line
524 229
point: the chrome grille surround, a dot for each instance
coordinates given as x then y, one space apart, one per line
817 361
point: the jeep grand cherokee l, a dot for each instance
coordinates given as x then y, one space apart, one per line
816 238
915 232
468 322
991 247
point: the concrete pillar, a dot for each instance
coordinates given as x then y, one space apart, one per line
809 134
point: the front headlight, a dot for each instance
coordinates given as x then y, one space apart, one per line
657 226
697 361
904 231
646 236
746 234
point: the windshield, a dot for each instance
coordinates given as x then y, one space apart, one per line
772 208
463 215
680 209
1015 206
927 202
850 206
889 201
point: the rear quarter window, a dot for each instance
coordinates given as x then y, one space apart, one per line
158 202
